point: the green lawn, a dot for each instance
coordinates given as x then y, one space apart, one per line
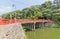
47 33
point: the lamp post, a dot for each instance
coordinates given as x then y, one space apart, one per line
14 7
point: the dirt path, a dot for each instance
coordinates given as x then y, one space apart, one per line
11 31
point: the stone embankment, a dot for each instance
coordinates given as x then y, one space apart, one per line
11 31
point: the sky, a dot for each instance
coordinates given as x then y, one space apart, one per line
6 5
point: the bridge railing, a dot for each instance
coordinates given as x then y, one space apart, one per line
10 21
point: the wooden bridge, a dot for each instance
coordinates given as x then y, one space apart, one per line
30 23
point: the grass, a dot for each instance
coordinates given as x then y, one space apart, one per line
48 33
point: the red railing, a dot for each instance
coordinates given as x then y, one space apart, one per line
10 21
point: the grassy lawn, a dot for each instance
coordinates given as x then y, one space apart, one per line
48 33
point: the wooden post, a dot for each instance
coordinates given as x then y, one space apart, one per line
31 27
39 24
34 26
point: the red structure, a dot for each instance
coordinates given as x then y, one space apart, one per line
9 21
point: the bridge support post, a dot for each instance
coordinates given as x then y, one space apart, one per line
34 26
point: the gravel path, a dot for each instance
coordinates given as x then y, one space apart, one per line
11 31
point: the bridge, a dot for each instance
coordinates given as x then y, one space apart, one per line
30 23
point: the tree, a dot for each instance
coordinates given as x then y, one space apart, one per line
56 2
